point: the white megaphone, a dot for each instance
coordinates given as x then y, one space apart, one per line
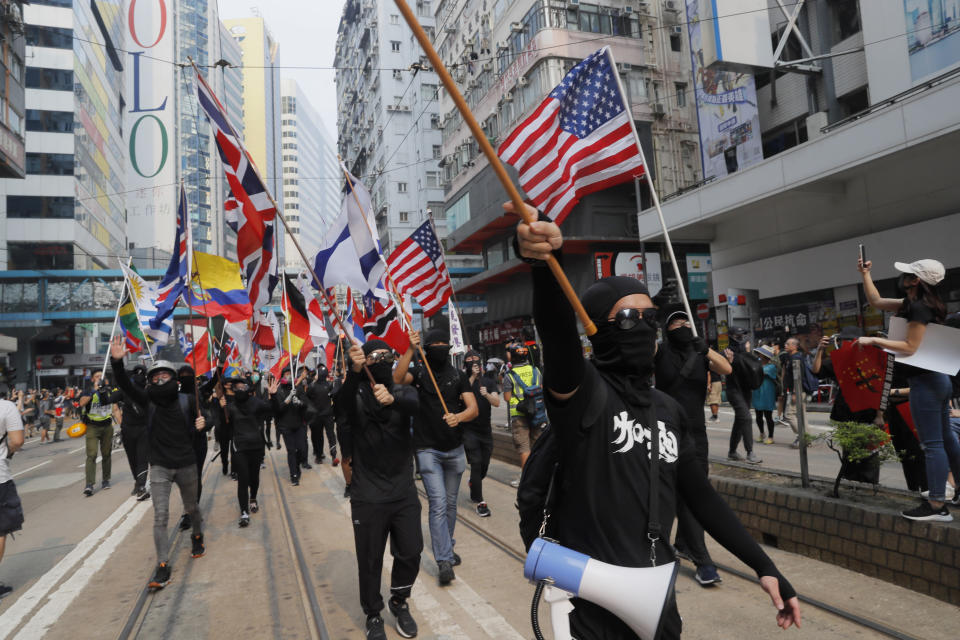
638 596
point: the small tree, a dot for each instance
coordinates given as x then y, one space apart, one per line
862 448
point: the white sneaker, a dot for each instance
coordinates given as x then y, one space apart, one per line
515 483
949 492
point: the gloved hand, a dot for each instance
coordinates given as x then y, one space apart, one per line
700 345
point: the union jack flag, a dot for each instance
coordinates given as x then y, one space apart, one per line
249 210
179 271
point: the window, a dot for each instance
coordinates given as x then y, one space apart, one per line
54 37
58 79
428 91
50 164
29 255
681 92
437 149
435 124
394 18
846 19
50 121
397 74
433 179
395 46
423 9
39 207
676 43
401 187
404 216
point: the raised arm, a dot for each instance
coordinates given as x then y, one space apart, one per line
870 290
401 373
117 350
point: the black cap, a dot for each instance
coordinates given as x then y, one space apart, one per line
600 297
374 345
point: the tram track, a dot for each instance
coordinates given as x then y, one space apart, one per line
517 553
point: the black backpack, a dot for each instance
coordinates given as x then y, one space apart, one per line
539 487
749 370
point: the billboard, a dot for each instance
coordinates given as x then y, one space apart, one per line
726 101
933 36
630 264
150 123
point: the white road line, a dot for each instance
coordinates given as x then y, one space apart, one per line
20 473
63 597
77 449
29 601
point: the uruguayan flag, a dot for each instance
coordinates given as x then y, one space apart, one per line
144 296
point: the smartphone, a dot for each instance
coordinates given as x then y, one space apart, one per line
863 255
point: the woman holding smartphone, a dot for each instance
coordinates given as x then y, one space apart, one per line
929 390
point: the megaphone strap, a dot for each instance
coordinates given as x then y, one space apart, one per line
653 516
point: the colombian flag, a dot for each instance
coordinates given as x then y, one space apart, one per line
216 289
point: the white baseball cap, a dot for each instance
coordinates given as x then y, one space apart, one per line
930 271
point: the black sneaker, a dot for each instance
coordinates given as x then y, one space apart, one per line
714 418
5 591
925 512
483 510
185 522
105 484
295 481
346 491
734 456
198 548
306 465
406 625
254 507
233 474
707 575
955 500
244 519
135 491
457 561
143 495
161 577
318 459
375 628
445 574
88 490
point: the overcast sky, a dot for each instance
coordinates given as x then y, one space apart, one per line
307 33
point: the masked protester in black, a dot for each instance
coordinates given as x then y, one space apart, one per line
383 498
601 412
477 433
320 393
133 434
682 364
244 413
190 385
289 411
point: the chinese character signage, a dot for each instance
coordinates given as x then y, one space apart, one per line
630 264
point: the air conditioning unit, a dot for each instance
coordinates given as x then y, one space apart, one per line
516 27
670 5
486 66
502 46
623 67
657 108
508 97
573 4
677 30
644 8
522 82
404 107
628 10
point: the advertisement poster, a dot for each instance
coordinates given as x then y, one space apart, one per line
630 264
933 36
699 266
726 106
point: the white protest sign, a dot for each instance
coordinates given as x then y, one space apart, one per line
939 351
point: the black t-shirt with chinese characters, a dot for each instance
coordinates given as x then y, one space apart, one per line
482 422
916 311
605 455
430 431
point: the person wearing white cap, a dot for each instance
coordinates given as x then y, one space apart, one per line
929 390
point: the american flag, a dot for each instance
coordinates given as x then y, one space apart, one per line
178 274
418 269
248 209
578 141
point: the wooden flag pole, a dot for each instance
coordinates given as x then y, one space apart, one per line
283 221
398 298
518 204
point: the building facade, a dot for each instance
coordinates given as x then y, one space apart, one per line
856 150
506 57
311 173
12 110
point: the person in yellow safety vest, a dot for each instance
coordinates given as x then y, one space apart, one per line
525 426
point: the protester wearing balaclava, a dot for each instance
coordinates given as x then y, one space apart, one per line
603 415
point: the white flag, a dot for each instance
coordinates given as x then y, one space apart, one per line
457 344
243 336
144 297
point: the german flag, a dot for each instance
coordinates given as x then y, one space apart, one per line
298 322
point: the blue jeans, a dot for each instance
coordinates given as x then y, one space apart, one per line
441 472
930 410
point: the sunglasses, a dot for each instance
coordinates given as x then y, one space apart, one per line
381 356
627 319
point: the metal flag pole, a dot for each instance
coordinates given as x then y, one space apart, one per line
653 194
498 168
113 331
279 215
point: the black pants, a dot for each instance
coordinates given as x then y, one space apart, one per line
740 401
247 465
689 530
223 439
479 447
318 426
372 523
764 415
200 451
296 444
136 444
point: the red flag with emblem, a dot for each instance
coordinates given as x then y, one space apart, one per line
861 372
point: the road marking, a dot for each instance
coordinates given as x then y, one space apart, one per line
48 615
480 610
77 449
29 601
20 473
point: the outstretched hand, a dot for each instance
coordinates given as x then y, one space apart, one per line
788 613
274 386
118 348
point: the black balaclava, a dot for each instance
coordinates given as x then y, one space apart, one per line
164 394
438 356
468 366
242 395
680 338
187 378
623 357
382 372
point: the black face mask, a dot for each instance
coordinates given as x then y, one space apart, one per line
163 393
438 355
187 383
625 359
382 372
241 396
139 379
902 285
681 336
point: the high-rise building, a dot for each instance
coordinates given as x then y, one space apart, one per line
12 114
69 211
261 103
506 58
388 122
311 193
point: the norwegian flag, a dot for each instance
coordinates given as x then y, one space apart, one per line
180 269
578 141
418 269
231 350
248 210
